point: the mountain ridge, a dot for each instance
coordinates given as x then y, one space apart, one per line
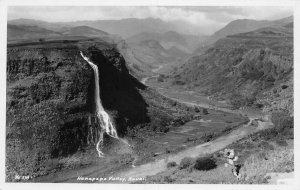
244 25
245 68
123 27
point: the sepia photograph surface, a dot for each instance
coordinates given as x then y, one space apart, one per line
150 95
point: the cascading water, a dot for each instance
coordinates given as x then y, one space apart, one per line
106 125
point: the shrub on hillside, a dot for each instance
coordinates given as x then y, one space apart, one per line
283 125
186 162
238 100
268 82
159 120
205 163
281 142
178 82
197 110
168 179
171 164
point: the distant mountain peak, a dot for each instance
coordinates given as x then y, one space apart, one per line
124 27
245 25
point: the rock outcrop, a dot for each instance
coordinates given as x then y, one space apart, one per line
49 95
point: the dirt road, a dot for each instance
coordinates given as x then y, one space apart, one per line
207 148
142 171
200 150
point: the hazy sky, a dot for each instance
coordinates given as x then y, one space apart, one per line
214 17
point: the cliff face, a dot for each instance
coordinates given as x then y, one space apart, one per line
244 68
49 93
119 90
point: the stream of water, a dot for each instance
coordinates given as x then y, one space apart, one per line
104 119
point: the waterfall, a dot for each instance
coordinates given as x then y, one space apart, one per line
106 125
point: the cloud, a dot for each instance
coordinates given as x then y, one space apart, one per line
202 16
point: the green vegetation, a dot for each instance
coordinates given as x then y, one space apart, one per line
205 163
186 162
258 165
284 86
238 100
171 164
204 111
178 82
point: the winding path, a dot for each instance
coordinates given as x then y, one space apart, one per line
153 168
